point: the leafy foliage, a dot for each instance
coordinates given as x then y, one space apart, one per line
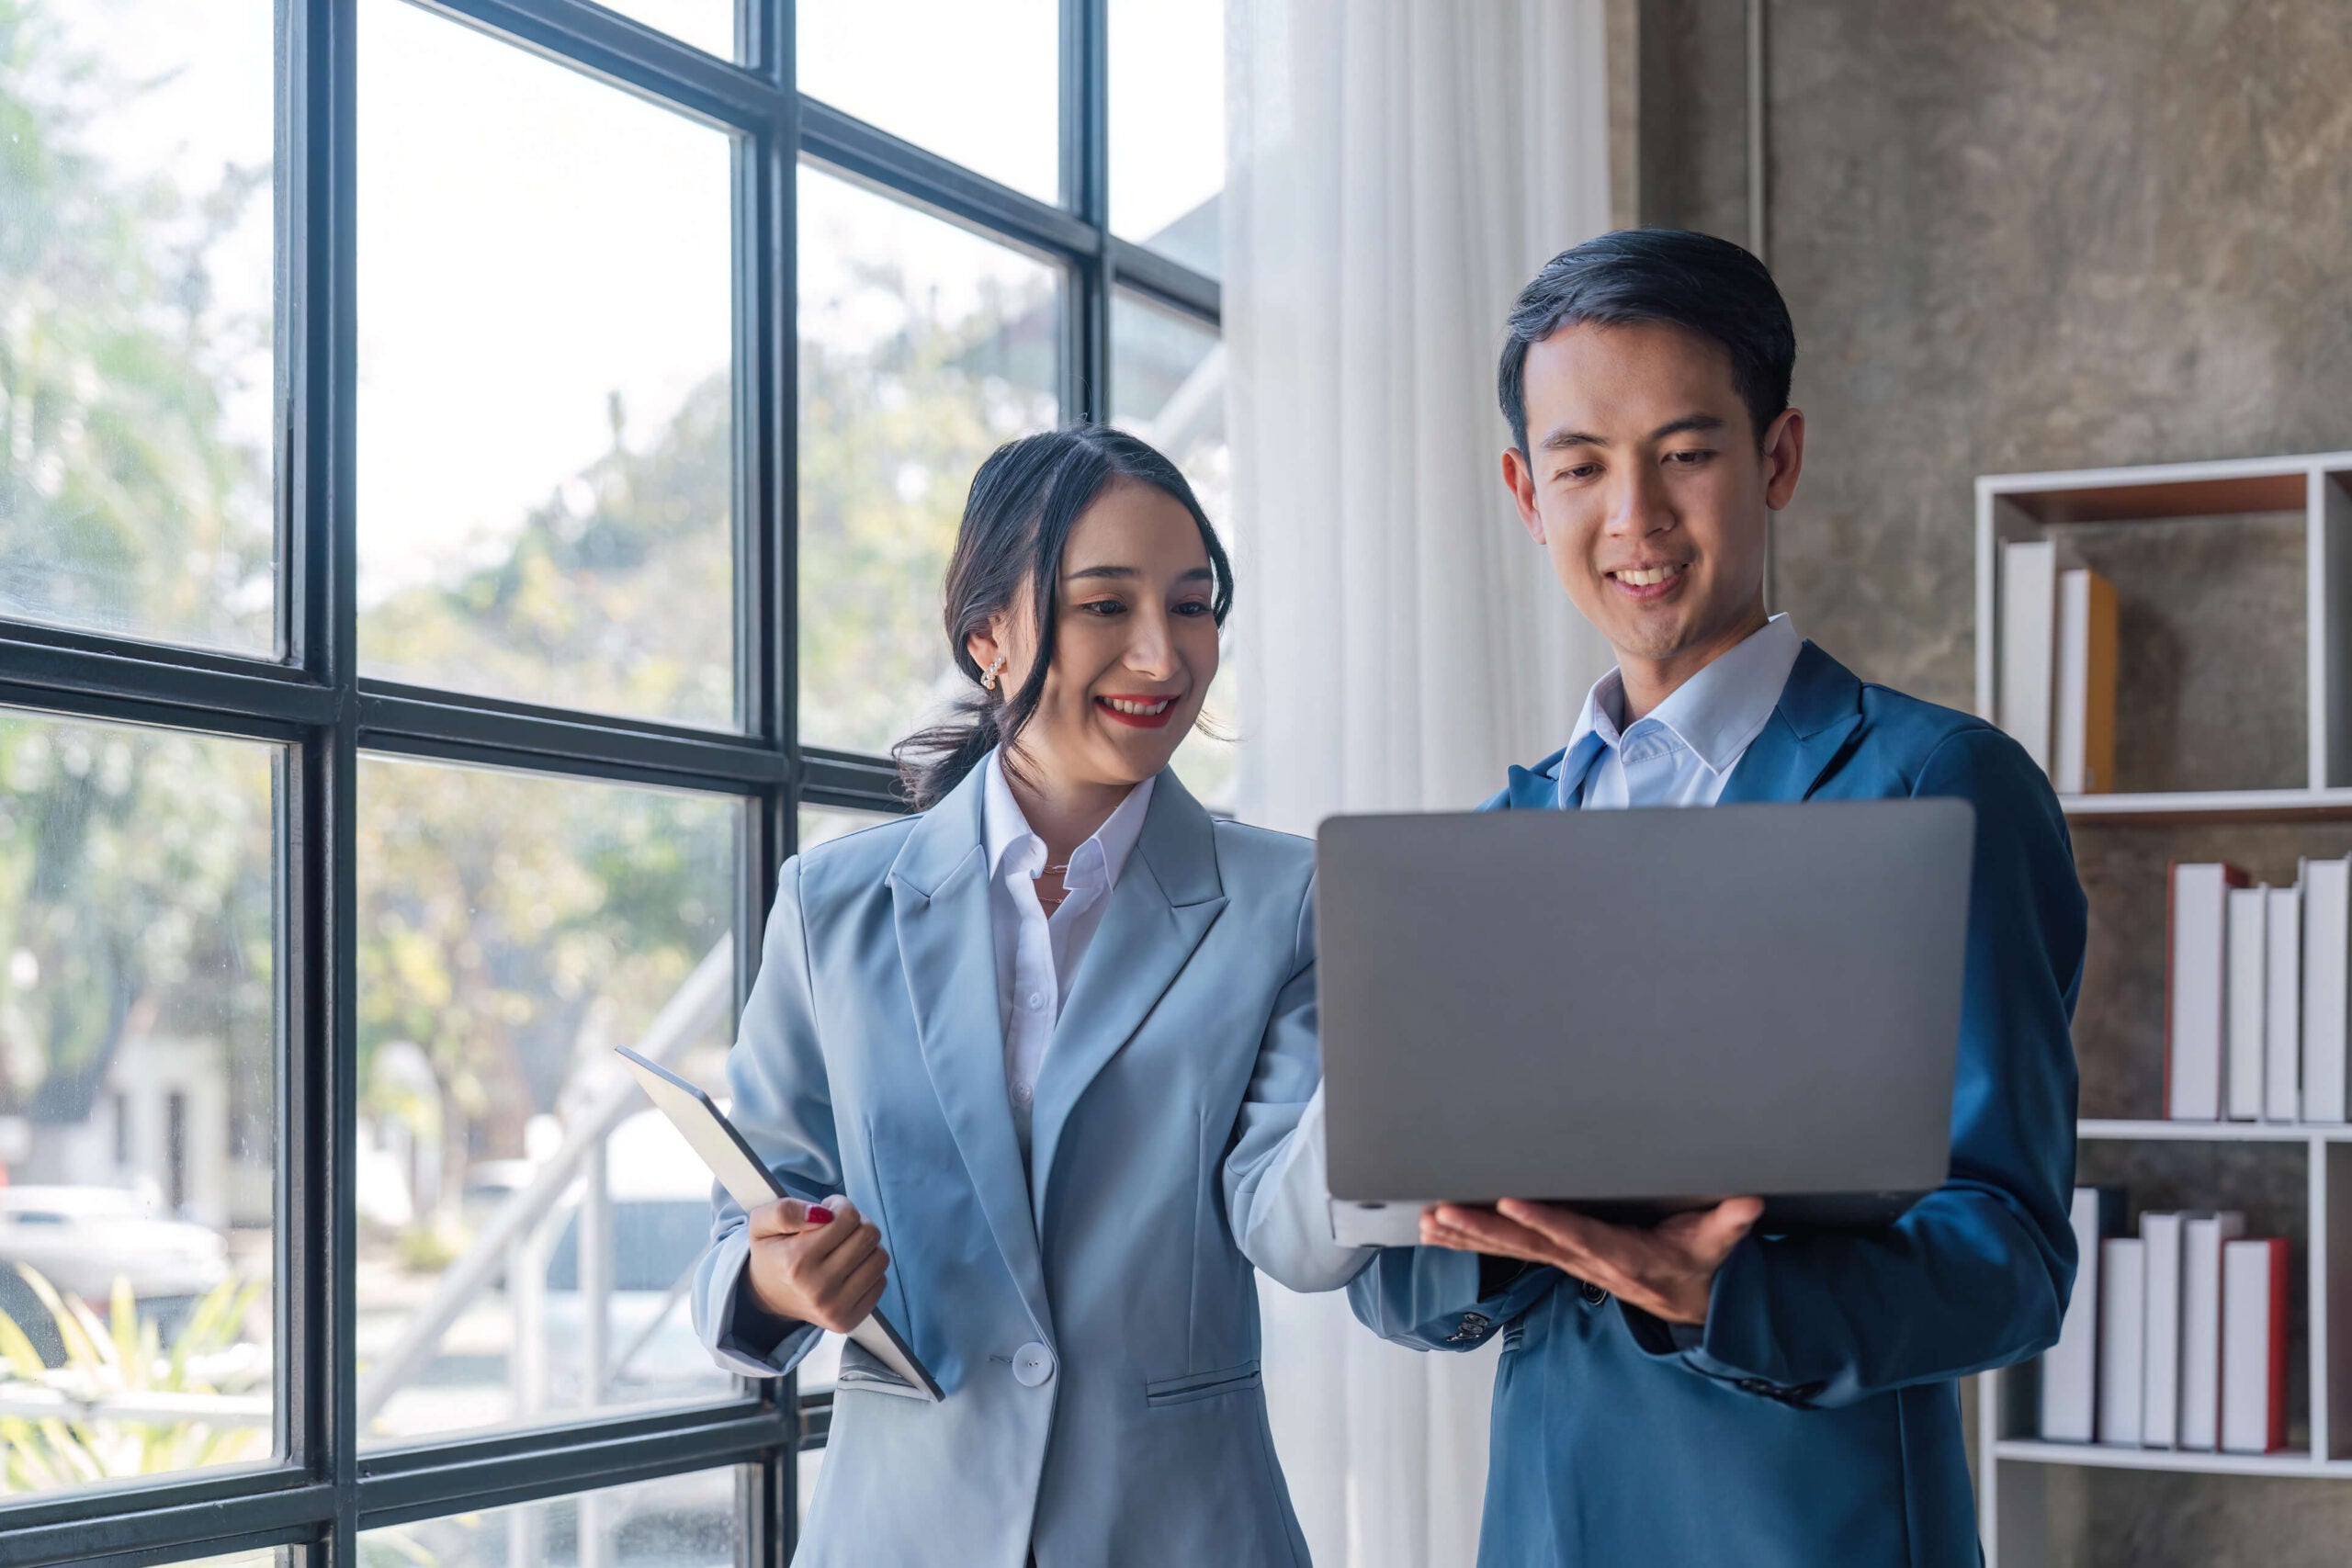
115 1360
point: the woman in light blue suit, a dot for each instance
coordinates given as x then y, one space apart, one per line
1030 1062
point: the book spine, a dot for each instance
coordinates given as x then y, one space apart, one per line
2327 943
2249 996
2282 1020
2069 1368
2122 1329
2160 1399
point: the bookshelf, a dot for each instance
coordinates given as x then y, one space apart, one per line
2015 1468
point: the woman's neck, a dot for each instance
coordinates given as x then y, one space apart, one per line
1064 812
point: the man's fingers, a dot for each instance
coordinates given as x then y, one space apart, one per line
1716 1232
1474 1230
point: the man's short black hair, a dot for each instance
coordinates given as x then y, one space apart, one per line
1710 286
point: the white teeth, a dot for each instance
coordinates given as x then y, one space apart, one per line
1146 710
1647 579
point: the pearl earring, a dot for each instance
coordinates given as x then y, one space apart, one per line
988 676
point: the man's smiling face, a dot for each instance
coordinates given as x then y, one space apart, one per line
1645 483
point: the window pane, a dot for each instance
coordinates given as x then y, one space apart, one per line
138 1102
545 421
138 254
708 25
678 1521
1167 386
527 1222
1167 101
271 1557
977 84
922 348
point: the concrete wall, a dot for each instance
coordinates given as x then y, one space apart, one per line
2025 234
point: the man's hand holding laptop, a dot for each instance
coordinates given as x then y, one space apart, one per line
1666 1269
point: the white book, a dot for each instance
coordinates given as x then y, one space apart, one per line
2122 1329
2028 636
2327 940
2200 1326
2070 1367
2082 705
2254 1347
2249 994
2282 1012
2160 1341
2199 986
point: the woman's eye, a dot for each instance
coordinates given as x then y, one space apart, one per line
1194 607
1105 607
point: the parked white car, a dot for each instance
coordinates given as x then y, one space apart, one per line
83 1238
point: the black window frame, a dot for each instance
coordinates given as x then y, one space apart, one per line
315 705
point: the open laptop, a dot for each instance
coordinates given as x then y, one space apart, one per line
1639 1013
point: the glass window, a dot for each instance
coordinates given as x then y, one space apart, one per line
1167 387
138 1102
1167 128
678 1521
138 254
977 84
528 1222
708 25
922 348
546 410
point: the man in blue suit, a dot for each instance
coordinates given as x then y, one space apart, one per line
1699 1393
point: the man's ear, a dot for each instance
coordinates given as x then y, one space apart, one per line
1783 457
1519 478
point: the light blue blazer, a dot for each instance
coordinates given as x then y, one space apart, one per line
1092 1323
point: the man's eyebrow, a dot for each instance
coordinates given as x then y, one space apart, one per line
1689 424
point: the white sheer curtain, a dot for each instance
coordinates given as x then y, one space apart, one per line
1397 170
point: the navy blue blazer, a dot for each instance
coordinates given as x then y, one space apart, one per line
1815 1419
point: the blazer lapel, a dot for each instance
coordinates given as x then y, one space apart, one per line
1819 710
939 900
1164 903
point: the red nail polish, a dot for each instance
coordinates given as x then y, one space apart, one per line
820 1215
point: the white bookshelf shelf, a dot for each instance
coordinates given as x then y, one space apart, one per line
2099 1456
2217 805
2162 1131
2013 1494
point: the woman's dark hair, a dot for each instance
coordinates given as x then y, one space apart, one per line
1024 501
1709 286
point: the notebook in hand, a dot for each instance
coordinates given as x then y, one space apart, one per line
710 1134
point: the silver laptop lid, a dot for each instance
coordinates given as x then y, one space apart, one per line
1639 1010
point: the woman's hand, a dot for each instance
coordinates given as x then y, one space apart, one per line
820 1264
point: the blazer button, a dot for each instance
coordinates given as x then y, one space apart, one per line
1031 1364
1593 1294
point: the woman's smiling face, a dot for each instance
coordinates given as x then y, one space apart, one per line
1135 642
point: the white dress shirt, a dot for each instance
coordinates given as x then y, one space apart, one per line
1037 955
1682 751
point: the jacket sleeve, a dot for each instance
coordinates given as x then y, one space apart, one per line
1976 1274
783 1106
1433 1298
1276 1196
